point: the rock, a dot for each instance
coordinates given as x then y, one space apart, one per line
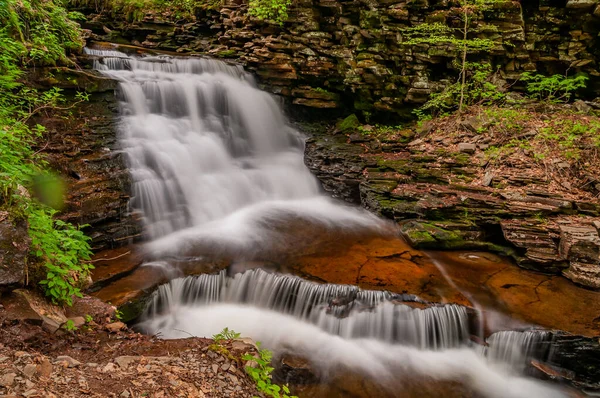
65 359
30 370
582 107
581 4
125 361
8 379
580 245
465 147
295 370
115 327
14 249
109 368
78 321
44 368
30 306
350 123
541 252
487 179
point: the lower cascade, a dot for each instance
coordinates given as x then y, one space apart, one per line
218 171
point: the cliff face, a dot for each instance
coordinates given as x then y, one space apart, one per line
350 54
81 143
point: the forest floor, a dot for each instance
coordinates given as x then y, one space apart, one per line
103 358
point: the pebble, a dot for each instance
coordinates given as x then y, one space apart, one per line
71 363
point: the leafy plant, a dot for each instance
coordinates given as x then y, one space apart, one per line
64 250
473 83
261 374
553 88
69 326
36 32
225 334
270 10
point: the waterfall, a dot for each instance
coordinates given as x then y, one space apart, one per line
515 349
205 146
342 310
216 168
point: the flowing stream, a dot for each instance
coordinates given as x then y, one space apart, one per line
216 169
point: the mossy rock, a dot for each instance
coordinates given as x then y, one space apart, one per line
351 123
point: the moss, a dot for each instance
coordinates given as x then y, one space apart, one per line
226 54
351 123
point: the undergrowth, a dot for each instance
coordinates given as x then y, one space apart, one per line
260 371
36 33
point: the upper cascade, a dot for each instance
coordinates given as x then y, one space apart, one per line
202 142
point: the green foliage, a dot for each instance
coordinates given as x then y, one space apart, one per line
261 374
36 32
88 318
64 250
69 326
477 89
136 10
225 334
270 10
458 41
553 88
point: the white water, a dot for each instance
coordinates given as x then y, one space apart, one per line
337 309
212 157
216 169
390 364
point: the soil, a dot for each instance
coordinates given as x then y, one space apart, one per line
99 360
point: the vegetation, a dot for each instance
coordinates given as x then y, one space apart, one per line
36 32
275 11
261 373
473 84
270 10
555 88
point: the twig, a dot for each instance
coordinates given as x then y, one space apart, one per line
112 258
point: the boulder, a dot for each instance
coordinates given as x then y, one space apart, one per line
14 249
582 4
29 306
580 245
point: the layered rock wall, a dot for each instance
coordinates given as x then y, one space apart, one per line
353 54
81 143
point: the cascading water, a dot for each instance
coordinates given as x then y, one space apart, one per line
216 168
207 150
337 309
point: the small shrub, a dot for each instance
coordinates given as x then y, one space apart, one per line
553 88
270 10
261 374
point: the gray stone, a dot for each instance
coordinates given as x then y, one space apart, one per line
466 147
487 179
14 249
582 107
